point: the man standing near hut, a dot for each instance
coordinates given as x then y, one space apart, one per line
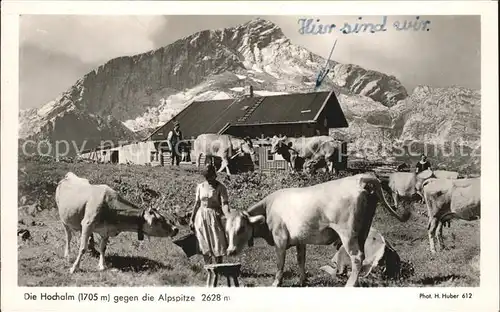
174 140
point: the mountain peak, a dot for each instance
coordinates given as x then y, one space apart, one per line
262 28
259 23
258 31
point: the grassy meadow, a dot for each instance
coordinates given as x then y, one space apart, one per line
159 262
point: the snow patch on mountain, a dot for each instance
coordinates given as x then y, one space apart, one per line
255 68
32 121
237 89
257 80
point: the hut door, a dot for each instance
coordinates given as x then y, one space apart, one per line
114 157
343 162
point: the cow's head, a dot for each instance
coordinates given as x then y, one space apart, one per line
310 166
246 147
278 145
155 224
239 230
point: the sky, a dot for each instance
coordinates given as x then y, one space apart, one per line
57 50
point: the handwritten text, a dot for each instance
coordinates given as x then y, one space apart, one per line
310 26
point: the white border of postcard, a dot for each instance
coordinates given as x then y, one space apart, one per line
485 297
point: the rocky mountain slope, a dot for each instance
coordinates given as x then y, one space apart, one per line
63 121
444 123
128 96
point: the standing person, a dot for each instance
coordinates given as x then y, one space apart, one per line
160 155
174 139
423 164
211 203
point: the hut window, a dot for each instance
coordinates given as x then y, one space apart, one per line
270 156
154 156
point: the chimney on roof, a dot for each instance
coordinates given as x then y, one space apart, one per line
249 91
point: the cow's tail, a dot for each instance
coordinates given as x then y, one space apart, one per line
378 189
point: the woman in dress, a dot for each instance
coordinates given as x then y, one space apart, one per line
211 203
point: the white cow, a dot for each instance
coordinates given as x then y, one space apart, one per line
100 209
406 185
378 252
311 150
223 146
339 210
447 199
